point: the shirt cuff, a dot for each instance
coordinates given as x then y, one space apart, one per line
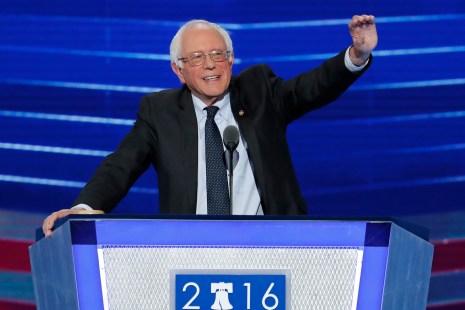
83 206
350 66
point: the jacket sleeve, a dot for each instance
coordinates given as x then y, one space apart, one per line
313 89
120 170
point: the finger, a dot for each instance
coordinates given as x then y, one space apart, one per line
49 222
355 22
367 19
358 20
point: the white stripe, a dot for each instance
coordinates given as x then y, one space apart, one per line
385 185
94 86
63 183
234 26
410 84
67 118
52 149
302 57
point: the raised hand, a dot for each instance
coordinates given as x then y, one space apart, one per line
362 29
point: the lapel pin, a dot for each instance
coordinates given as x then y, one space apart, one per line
241 112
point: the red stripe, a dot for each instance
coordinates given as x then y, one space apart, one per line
16 305
449 255
14 255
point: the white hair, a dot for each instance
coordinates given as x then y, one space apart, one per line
175 46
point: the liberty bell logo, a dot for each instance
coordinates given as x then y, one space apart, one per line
221 291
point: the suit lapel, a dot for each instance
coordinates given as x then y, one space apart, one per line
188 125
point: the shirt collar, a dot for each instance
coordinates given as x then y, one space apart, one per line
199 106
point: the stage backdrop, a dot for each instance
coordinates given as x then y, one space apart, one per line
72 74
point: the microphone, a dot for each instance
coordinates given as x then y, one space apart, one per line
231 156
231 137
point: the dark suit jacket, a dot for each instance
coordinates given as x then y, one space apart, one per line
165 136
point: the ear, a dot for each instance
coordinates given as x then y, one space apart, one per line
232 60
178 72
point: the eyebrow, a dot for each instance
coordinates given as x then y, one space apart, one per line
213 49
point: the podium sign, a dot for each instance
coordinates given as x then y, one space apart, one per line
105 262
228 290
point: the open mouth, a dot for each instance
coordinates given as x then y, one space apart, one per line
211 78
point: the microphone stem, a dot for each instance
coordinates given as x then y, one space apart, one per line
230 153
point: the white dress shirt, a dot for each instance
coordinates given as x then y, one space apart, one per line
246 200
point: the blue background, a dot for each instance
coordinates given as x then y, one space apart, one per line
72 74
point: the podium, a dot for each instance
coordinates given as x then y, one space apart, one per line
114 262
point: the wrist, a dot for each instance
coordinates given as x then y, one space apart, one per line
358 59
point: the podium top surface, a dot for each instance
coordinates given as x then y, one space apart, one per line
380 227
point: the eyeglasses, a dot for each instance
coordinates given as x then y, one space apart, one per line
198 59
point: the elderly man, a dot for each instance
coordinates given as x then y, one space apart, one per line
176 129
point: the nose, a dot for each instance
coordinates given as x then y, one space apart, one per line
209 63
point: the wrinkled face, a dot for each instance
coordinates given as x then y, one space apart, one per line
209 81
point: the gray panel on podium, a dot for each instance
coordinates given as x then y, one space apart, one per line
52 263
406 278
